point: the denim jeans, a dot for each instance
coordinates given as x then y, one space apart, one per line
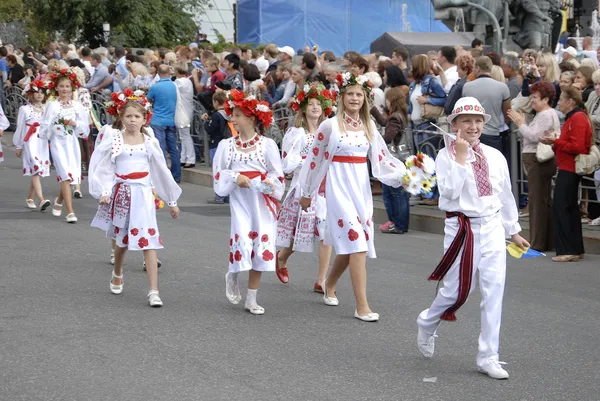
167 137
397 206
212 156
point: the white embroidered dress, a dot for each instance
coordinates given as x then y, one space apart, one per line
348 189
4 124
127 173
294 224
36 157
253 214
64 145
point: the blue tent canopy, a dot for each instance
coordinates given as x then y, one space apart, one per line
336 25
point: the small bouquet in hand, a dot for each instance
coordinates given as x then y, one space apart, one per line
61 126
420 175
158 203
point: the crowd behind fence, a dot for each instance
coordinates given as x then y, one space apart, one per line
283 119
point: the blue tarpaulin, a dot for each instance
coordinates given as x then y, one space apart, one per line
336 25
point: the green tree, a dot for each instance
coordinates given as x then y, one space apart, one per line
137 23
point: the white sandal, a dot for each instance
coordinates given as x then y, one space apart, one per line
330 301
116 288
44 204
154 299
255 309
56 212
30 204
71 218
369 317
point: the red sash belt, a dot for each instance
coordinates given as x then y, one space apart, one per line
31 130
350 159
271 202
463 236
133 176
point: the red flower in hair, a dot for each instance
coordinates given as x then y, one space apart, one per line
327 111
301 96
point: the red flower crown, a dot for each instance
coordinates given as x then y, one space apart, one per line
314 91
120 99
65 72
250 106
36 86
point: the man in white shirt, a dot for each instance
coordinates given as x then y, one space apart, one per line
86 59
121 67
446 59
475 193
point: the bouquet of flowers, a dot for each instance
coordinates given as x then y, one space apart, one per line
61 126
158 203
420 175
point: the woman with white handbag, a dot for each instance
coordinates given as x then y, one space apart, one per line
539 162
575 140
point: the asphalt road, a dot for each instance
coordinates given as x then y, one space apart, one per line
64 336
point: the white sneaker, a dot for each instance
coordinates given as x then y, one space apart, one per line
426 343
114 288
30 204
71 218
154 299
493 369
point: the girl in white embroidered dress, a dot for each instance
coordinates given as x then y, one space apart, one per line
63 122
341 150
33 149
122 172
4 124
298 230
247 168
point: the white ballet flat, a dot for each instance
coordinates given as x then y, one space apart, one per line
369 317
114 288
45 204
330 301
255 309
30 204
56 212
71 218
154 299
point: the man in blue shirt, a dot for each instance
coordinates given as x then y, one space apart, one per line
96 82
120 67
163 95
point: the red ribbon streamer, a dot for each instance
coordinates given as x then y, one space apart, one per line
269 200
31 131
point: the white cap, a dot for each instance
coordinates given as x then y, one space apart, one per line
287 50
571 50
468 105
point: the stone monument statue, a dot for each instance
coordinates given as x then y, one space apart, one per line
535 22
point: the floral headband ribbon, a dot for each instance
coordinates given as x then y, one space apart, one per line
347 79
120 99
326 97
63 73
36 86
250 106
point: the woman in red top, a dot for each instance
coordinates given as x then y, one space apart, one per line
575 139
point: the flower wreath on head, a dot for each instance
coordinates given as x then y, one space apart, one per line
347 79
36 86
62 73
326 97
250 106
120 99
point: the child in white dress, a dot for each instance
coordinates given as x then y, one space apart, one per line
63 122
341 150
30 146
123 170
247 168
298 230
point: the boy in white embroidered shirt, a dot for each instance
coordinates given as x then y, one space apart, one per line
475 193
